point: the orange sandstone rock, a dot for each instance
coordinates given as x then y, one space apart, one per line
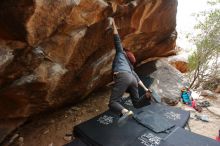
61 51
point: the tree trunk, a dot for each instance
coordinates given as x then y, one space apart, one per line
196 74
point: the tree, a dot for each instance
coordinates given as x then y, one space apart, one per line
204 63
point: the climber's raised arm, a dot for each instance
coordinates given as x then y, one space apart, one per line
117 40
115 31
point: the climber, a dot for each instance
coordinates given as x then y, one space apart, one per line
125 79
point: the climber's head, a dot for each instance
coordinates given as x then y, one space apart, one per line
130 56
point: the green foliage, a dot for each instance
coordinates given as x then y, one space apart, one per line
211 2
207 41
193 63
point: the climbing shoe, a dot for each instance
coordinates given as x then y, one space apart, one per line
124 118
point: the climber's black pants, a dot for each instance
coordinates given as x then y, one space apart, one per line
124 81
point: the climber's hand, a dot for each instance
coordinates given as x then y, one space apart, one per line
148 94
110 21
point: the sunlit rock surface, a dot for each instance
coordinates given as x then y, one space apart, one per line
57 52
180 61
181 66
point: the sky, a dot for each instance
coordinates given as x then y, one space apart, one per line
185 20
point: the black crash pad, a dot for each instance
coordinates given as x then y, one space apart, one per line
104 131
181 137
148 138
174 115
153 121
76 142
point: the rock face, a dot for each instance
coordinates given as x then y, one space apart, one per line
57 52
180 61
167 80
181 66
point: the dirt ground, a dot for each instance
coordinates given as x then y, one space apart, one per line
211 128
51 129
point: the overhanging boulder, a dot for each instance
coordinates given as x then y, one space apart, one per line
61 51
